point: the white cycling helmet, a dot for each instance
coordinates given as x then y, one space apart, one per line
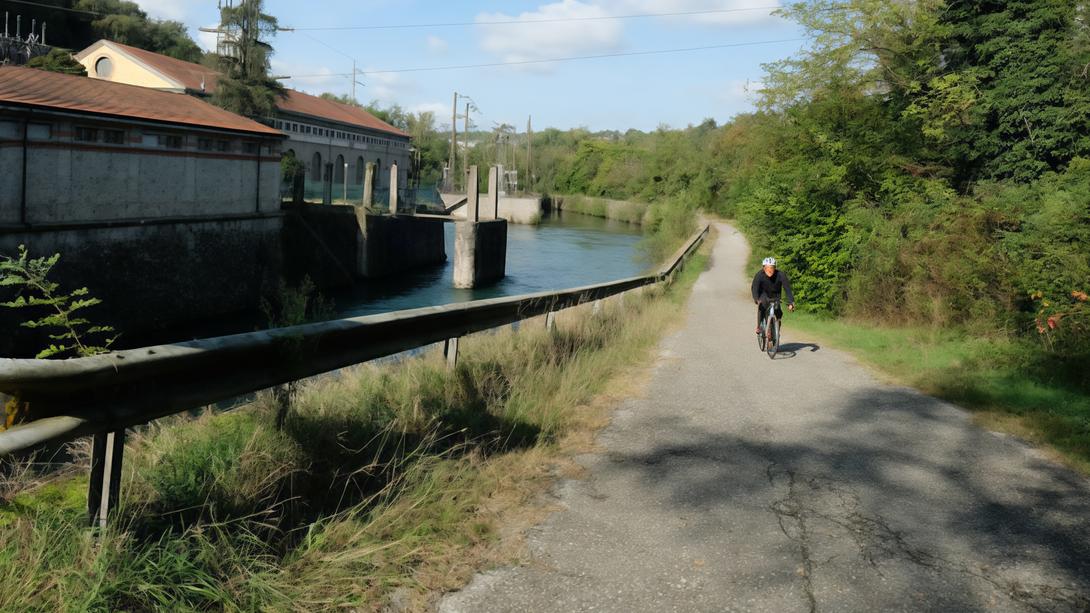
769 262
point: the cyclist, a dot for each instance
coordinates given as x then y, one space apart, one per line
767 285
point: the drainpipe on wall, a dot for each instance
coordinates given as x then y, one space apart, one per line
26 141
257 186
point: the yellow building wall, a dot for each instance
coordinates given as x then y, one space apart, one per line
125 70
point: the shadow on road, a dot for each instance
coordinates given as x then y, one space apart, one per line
896 488
790 350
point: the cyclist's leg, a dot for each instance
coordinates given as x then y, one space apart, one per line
762 305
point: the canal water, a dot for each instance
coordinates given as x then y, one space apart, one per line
564 251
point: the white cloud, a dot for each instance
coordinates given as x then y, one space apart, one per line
436 44
731 15
438 108
170 9
386 87
207 40
741 94
520 43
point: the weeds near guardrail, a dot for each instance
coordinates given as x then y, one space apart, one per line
384 479
73 332
70 332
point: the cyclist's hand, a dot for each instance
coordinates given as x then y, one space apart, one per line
791 307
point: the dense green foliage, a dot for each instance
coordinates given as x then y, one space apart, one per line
919 163
75 24
58 60
244 86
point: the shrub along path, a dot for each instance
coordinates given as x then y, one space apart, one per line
800 484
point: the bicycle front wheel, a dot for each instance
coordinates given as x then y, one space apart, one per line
773 345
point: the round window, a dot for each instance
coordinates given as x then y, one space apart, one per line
103 67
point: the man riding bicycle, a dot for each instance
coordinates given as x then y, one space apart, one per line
766 288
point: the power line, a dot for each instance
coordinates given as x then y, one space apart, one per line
56 8
452 24
559 59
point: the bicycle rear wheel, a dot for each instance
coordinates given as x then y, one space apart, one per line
761 339
772 347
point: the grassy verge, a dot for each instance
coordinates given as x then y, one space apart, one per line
387 485
620 210
999 378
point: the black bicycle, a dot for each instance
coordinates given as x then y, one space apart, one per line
769 338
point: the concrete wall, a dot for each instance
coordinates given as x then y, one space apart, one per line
70 181
480 253
397 244
339 244
525 210
152 276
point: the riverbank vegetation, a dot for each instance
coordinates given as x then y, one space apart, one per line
917 166
384 485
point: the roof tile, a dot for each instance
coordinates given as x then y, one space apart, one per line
27 86
314 106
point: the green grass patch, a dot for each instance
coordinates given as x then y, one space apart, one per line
1000 378
384 479
620 210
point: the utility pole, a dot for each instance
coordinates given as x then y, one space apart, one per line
530 152
465 155
453 142
353 80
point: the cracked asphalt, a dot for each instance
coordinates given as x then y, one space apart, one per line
741 483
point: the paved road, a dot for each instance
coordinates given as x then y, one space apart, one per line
801 484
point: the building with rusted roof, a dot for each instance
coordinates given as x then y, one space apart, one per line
335 141
90 150
139 188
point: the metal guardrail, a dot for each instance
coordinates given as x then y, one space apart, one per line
103 395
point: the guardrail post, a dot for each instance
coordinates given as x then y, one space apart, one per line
597 308
107 453
550 321
450 350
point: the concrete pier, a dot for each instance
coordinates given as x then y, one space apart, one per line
480 247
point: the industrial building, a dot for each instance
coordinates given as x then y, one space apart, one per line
335 141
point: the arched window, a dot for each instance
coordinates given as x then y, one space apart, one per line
361 169
316 167
338 170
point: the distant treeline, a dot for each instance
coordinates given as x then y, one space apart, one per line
920 163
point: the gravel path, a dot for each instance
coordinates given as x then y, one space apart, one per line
741 483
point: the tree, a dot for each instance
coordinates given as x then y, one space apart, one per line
1030 110
75 24
123 22
245 86
58 60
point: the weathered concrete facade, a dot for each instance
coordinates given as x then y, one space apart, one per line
337 245
329 145
480 252
164 207
69 180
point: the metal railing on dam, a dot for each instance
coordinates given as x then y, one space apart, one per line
103 395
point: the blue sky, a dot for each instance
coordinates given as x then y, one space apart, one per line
610 93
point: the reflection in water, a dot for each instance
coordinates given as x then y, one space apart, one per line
566 251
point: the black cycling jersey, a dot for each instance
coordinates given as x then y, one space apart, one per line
769 287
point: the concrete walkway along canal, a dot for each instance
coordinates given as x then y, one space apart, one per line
740 483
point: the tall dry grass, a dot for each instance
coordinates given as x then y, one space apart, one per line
385 482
